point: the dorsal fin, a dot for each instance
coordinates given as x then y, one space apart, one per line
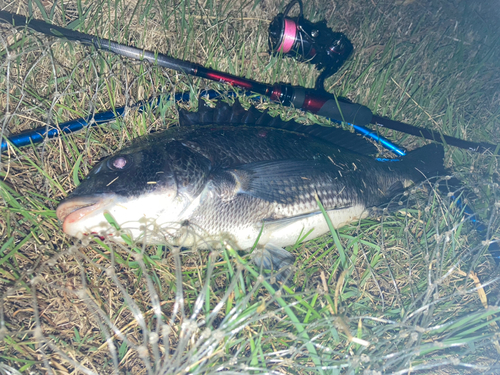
235 114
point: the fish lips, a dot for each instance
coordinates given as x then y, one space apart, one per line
74 209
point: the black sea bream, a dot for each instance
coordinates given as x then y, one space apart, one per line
227 174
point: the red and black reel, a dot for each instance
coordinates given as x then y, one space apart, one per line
310 42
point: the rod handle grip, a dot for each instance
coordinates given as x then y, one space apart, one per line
327 105
352 113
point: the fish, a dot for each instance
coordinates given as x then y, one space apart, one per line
230 175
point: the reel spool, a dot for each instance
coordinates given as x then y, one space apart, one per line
309 42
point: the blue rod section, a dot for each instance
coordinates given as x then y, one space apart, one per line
39 134
482 229
379 139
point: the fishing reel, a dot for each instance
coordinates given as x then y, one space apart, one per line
310 42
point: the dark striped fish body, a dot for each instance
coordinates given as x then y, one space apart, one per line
230 174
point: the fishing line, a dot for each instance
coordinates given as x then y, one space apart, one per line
315 101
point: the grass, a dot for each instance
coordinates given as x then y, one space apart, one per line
397 293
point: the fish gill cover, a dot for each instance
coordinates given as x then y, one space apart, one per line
411 290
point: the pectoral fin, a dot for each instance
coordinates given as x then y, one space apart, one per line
276 259
283 181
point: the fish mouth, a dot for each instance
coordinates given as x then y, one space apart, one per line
73 210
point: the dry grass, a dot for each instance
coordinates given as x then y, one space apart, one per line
93 307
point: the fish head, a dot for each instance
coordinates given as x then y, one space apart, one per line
136 185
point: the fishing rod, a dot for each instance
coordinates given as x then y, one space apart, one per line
316 101
313 100
38 135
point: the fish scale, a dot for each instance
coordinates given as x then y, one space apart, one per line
232 174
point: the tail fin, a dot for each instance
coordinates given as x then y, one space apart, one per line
425 162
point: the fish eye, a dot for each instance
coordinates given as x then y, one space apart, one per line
118 163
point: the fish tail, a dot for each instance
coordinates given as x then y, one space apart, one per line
425 162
